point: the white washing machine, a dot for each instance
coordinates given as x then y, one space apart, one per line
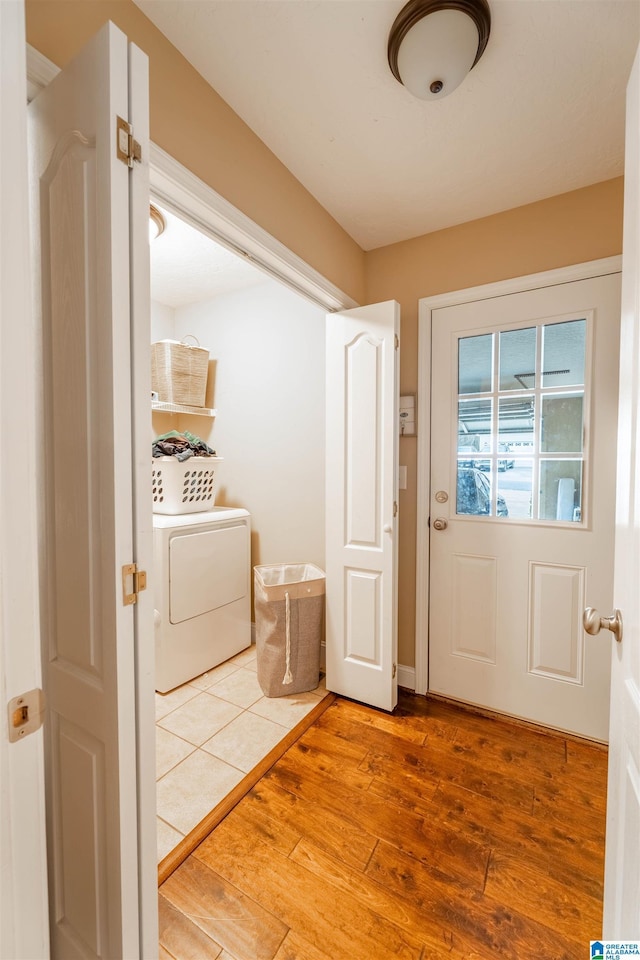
202 592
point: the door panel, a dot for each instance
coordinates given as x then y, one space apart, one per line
555 621
361 498
80 206
523 448
473 630
622 853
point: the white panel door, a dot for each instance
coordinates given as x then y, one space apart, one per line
92 643
622 854
524 401
361 503
24 925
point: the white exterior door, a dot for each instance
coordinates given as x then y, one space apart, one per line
361 503
622 859
524 397
92 317
24 926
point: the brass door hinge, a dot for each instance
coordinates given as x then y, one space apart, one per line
395 670
127 149
396 341
138 583
26 713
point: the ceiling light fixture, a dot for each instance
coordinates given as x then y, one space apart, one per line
433 44
157 223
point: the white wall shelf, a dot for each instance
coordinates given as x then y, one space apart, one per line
163 406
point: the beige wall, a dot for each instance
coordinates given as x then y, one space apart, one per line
572 228
193 124
196 127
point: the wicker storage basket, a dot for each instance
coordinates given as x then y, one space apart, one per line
179 372
183 487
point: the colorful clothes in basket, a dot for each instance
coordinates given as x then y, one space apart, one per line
181 446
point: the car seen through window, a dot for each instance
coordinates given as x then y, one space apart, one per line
474 493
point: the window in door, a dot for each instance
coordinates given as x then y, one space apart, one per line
522 402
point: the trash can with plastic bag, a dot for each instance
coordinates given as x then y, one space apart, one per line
289 605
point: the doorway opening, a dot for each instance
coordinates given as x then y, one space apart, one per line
264 416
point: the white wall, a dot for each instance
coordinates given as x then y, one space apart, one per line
162 322
269 348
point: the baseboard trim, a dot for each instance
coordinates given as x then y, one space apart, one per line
407 677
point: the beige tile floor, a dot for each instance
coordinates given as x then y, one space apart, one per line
211 732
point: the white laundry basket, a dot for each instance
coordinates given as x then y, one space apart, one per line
289 605
187 486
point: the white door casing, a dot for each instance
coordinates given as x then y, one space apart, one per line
24 920
140 337
622 851
361 503
93 645
507 594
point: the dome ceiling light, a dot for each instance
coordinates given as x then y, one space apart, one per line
157 223
433 44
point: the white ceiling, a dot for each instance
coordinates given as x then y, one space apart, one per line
541 113
187 267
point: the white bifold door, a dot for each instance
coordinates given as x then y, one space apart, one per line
90 222
362 503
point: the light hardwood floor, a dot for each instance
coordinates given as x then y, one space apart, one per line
433 832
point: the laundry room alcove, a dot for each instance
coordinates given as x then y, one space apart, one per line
263 414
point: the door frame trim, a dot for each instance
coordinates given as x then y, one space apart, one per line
175 187
426 306
193 200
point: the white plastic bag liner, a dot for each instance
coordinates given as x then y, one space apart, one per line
289 605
